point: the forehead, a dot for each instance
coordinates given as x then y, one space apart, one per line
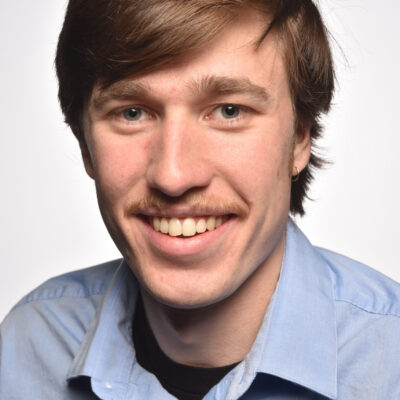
234 60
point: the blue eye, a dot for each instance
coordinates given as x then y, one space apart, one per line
230 111
132 114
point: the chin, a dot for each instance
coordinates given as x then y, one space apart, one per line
185 291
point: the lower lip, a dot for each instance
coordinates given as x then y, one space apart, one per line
177 246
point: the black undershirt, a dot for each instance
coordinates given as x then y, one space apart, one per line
182 381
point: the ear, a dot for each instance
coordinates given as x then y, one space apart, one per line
87 160
301 148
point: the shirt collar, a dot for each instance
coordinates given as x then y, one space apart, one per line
297 340
110 330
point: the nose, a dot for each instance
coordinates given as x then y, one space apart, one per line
179 160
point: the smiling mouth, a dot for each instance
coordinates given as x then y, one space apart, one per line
186 227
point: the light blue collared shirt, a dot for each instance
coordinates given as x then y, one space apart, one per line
332 331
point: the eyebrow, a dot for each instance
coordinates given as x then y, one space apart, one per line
121 90
221 85
207 86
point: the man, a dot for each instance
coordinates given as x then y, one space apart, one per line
196 120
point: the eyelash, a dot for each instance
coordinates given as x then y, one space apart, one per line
243 110
118 114
234 120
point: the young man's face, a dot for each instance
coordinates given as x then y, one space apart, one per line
208 140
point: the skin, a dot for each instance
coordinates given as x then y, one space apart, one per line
205 297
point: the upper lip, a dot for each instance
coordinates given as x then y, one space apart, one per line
181 212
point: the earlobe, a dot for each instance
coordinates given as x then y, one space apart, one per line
87 160
302 148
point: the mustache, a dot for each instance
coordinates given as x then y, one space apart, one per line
209 204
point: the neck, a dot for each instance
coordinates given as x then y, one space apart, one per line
221 333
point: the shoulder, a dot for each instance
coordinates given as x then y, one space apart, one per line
42 333
72 297
362 286
367 315
69 301
81 283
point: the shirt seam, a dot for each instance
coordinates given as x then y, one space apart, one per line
367 310
55 297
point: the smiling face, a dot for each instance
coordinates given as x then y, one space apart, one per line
193 166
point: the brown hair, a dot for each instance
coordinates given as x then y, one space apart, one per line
104 41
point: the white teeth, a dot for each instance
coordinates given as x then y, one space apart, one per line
188 227
175 227
156 224
201 225
164 225
211 223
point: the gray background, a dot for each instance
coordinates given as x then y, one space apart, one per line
49 221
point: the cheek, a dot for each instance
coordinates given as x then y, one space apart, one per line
258 163
118 165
